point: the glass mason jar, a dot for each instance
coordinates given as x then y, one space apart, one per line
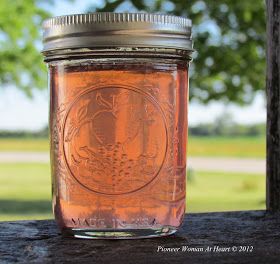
118 122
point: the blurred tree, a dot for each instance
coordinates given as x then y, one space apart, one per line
223 124
229 36
20 60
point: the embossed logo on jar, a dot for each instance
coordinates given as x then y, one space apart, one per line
114 139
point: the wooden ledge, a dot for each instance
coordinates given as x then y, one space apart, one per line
40 242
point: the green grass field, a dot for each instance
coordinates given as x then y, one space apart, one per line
24 144
25 191
198 146
244 147
219 191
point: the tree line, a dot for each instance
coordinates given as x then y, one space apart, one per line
203 129
224 125
42 133
234 130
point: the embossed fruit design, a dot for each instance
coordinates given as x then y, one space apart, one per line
109 149
115 112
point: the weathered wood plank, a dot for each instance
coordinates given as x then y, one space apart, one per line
39 242
273 105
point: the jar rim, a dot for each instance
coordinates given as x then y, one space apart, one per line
117 52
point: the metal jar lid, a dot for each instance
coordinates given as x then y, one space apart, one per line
106 30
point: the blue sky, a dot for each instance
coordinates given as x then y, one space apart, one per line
19 112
